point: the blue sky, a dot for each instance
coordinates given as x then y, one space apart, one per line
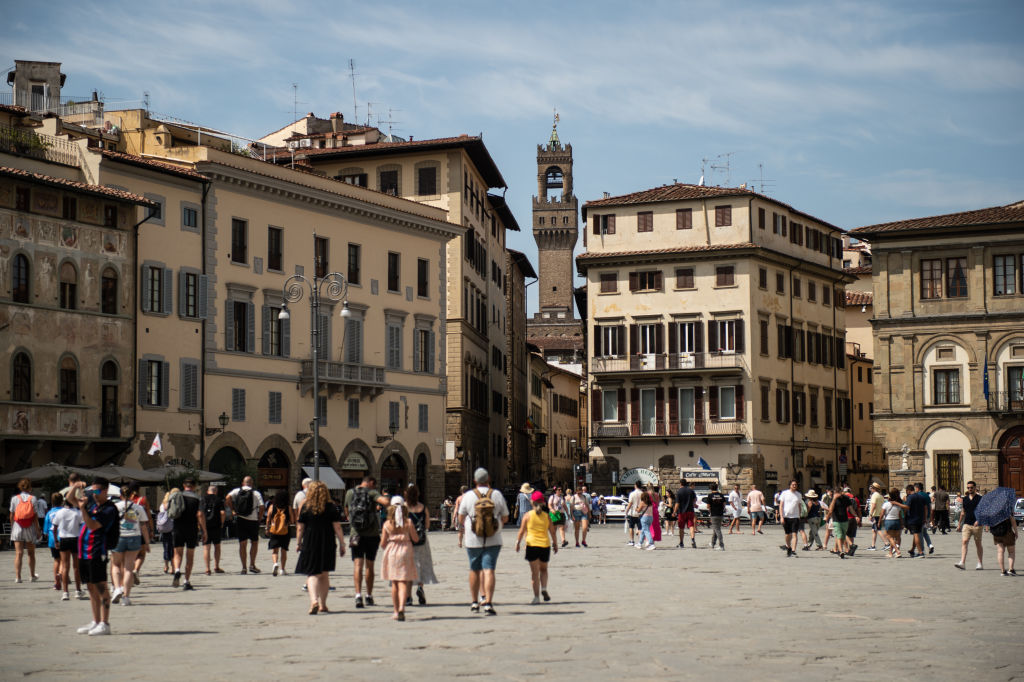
860 112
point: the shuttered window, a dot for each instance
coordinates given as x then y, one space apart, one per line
609 283
645 280
321 409
153 377
424 418
394 414
353 413
723 216
684 278
354 340
238 404
684 219
239 241
189 384
394 351
645 221
274 407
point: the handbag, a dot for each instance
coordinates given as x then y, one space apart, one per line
556 517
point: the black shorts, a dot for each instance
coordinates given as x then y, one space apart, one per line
851 528
69 545
633 522
246 529
365 548
189 538
93 571
914 528
214 534
538 553
278 542
55 552
791 525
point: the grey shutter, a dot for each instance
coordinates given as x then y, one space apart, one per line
286 338
740 339
183 392
698 337
229 325
597 341
713 336
145 289
417 364
165 378
266 329
141 382
189 385
181 293
165 291
201 297
250 334
430 352
325 337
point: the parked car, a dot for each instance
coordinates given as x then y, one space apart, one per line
615 506
1018 511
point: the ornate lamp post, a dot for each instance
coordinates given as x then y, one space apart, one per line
336 289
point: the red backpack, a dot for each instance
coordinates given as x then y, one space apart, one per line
25 512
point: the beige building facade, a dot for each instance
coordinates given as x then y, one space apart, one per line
555 426
949 342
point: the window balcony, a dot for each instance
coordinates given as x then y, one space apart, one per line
667 362
346 377
664 428
1006 402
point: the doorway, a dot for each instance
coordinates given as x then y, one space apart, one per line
686 411
393 474
1011 460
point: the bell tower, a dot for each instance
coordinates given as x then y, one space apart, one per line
555 226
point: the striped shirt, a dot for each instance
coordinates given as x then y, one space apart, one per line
92 544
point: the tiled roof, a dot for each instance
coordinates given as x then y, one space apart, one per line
152 164
520 259
96 190
996 215
666 251
681 191
861 270
859 298
13 109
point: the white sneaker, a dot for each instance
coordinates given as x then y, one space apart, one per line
65 597
536 600
100 629
18 580
650 547
35 578
628 544
978 567
118 593
84 630
276 569
80 594
126 601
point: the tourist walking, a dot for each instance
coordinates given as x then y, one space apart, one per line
165 526
25 508
419 514
278 523
398 563
455 510
300 498
941 510
652 490
523 504
790 503
134 528
581 515
716 503
853 516
633 513
320 540
133 493
559 513
668 503
50 533
446 513
892 511
213 510
918 517
602 505
364 528
1004 535
735 509
755 506
68 523
486 512
540 540
968 526
875 504
99 528
646 510
189 530
246 504
686 512
839 513
813 521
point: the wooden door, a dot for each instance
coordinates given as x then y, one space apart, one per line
1011 461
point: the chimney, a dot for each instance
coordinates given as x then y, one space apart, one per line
337 121
606 194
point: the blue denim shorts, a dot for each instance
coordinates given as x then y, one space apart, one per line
128 544
483 558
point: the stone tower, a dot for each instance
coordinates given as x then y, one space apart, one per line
554 328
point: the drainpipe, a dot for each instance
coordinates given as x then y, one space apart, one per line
835 370
792 375
202 333
135 327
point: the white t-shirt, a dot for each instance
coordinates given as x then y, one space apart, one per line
735 502
299 499
634 502
68 522
890 511
466 507
132 517
257 503
40 505
789 502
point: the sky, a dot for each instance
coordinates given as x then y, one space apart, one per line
855 112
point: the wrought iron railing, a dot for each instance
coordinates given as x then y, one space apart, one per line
344 372
25 142
660 362
1006 401
666 428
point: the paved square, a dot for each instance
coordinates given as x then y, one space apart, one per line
616 613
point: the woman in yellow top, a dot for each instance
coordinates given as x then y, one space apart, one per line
540 540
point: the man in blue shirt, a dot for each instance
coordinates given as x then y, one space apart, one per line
99 515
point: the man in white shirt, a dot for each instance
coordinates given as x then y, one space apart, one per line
482 550
246 504
789 511
633 514
736 507
300 497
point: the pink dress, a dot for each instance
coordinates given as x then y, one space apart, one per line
656 522
399 561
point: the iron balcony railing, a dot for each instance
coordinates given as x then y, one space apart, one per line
38 146
660 362
62 106
666 428
344 372
1006 401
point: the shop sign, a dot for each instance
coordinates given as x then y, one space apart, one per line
631 476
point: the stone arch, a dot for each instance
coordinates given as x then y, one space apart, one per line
946 423
394 458
275 441
354 475
21 260
419 474
925 347
26 366
233 440
327 456
231 462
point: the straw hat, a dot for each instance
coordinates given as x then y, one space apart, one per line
811 494
875 485
526 488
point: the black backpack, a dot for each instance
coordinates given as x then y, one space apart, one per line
244 501
419 522
210 510
113 534
361 517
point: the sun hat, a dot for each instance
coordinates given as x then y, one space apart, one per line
811 494
526 488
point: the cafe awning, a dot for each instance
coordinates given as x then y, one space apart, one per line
328 476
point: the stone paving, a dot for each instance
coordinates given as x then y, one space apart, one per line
616 613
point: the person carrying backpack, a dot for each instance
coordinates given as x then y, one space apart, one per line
420 517
278 520
486 511
246 504
25 508
364 534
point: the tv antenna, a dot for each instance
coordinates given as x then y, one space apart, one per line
352 75
718 165
762 183
390 122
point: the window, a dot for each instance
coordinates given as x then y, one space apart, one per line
358 179
423 278
108 292
275 243
423 351
69 208
389 182
22 198
796 287
799 407
685 337
780 283
353 413
394 349
947 387
1004 276
20 279
765 400
611 406
394 414
110 215
814 407
727 402
424 418
763 329
241 327
154 375
860 374
812 292
827 400
778 224
782 405
609 282
761 218
648 338
762 278
274 407
604 224
394 280
21 378
956 277
684 219
239 241
725 275
321 256
354 258
931 278
725 336
427 179
276 332
188 293
68 286
238 404
608 340
860 411
826 295
645 221
157 283
723 216
645 280
684 278
189 218
321 410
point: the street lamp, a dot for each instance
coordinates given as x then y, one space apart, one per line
336 289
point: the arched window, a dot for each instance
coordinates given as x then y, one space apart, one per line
109 371
21 378
68 285
108 292
19 279
68 381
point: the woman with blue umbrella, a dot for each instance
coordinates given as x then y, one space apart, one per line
995 510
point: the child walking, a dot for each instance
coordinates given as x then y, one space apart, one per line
399 563
540 539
